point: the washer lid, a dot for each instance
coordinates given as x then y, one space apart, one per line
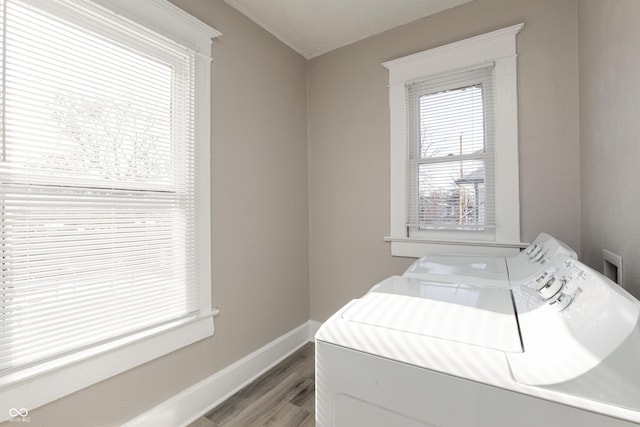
488 271
457 312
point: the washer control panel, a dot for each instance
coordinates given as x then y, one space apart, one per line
557 285
533 261
572 315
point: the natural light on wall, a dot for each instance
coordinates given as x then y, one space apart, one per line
99 208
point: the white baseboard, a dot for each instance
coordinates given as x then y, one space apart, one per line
314 325
194 402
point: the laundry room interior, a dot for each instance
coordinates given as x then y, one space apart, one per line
303 194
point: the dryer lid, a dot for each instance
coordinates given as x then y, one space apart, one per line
463 313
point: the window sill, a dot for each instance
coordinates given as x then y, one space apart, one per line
415 248
43 383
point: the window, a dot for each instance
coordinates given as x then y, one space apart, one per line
454 148
450 152
104 172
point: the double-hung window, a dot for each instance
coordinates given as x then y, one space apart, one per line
454 148
104 223
450 153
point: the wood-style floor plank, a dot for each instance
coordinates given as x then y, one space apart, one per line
203 422
282 397
287 415
259 411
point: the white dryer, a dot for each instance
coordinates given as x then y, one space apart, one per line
558 349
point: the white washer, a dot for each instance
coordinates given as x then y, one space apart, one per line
559 349
493 271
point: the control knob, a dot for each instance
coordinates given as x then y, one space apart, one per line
535 252
550 287
540 255
560 302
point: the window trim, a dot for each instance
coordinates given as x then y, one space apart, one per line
40 384
497 48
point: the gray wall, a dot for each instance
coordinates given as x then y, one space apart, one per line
297 220
259 225
349 139
610 133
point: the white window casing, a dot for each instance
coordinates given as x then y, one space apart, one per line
105 191
495 50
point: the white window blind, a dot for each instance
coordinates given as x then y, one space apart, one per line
450 152
97 180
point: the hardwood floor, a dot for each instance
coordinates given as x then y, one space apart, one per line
282 397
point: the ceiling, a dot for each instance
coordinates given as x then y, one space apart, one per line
314 27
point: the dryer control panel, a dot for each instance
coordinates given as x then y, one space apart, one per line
490 271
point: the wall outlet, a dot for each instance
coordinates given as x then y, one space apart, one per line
612 266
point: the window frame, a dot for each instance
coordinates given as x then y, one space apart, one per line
44 382
497 48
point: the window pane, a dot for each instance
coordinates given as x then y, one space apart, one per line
452 122
96 110
83 266
452 193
